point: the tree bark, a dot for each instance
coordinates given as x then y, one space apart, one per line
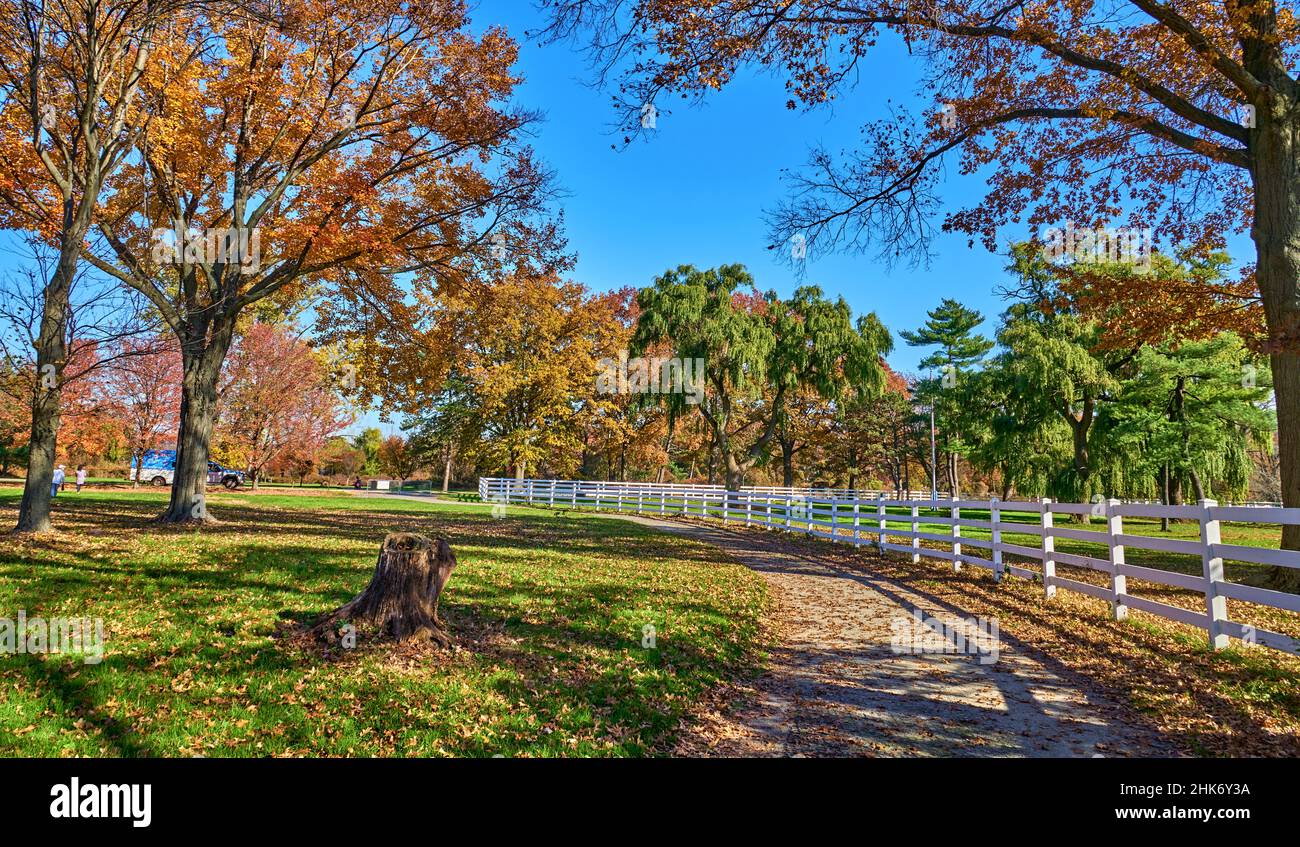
446 472
202 357
1275 145
787 462
401 601
47 389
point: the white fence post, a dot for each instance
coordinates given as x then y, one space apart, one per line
552 503
620 499
956 538
749 510
1216 605
640 499
880 515
726 502
1118 582
835 518
995 520
856 522
1049 547
916 539
787 513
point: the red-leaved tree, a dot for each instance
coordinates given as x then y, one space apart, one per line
277 400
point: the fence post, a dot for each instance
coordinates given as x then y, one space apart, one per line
916 540
1118 582
620 499
749 510
600 489
787 513
552 495
835 517
640 499
1049 547
663 502
995 520
1216 605
856 521
726 502
575 493
880 514
956 537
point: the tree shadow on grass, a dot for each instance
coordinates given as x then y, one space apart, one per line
570 639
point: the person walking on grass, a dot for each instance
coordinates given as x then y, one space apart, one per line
57 482
81 477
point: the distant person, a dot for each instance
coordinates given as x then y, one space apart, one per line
81 477
357 484
57 482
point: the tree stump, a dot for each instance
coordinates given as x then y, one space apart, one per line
401 600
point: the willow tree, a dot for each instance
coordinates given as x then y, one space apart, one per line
1186 113
70 77
755 353
314 143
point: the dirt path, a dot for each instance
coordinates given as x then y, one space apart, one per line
837 687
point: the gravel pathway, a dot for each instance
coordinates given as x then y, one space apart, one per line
836 685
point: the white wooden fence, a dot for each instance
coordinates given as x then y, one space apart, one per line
875 521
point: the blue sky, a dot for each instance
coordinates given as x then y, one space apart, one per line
695 189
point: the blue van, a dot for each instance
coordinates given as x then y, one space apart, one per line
158 467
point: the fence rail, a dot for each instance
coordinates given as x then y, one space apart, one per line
886 521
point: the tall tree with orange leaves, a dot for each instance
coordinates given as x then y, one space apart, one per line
1179 115
330 142
70 84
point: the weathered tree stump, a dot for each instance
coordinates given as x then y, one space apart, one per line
401 601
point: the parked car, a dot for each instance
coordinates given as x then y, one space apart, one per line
158 467
229 477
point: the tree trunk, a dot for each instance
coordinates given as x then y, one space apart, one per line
787 463
51 357
401 601
1165 495
1275 145
201 364
446 472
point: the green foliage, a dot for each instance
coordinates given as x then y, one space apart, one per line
368 441
759 352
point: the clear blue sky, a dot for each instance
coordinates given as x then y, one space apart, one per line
695 189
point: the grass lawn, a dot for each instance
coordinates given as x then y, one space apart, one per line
548 612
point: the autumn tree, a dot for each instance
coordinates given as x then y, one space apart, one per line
755 354
144 388
102 327
70 87
398 459
1181 116
324 144
277 399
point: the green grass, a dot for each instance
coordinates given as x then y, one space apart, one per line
548 612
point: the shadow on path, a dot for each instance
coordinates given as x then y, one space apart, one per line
838 687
